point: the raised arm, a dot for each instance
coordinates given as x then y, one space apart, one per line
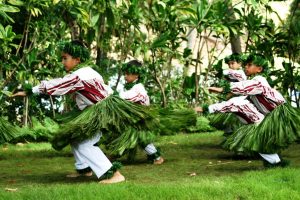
60 86
248 87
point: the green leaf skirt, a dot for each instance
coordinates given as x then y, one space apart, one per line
113 116
174 120
7 131
224 120
276 132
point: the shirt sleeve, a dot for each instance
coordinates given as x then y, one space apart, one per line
247 87
238 75
238 105
223 107
136 94
60 86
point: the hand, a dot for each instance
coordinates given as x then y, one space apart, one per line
19 94
215 89
229 95
198 109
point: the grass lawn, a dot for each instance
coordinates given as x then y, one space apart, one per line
195 168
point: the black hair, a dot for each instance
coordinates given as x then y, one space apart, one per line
259 60
233 57
133 67
77 49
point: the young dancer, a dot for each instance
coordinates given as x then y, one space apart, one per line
280 125
89 88
224 120
234 73
136 92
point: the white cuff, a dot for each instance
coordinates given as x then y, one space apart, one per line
36 90
225 72
211 109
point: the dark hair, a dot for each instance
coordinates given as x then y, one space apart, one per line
133 67
77 49
233 57
259 60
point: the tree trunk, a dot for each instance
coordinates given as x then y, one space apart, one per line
235 40
25 114
72 24
100 53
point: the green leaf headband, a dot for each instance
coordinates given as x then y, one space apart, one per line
133 67
76 49
259 60
233 57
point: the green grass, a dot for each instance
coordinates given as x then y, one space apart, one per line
38 172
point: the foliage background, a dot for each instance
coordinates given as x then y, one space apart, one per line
158 32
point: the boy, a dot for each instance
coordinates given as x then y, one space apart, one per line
264 137
234 73
136 92
89 88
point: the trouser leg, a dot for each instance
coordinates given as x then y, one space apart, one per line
88 155
271 158
152 152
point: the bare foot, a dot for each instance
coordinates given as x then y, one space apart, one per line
116 178
159 161
76 175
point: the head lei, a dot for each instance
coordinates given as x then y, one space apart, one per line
233 57
133 67
259 60
76 49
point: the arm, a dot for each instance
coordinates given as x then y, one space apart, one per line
238 75
68 84
136 94
247 87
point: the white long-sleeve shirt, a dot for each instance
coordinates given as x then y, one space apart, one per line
86 82
136 94
245 110
259 93
235 75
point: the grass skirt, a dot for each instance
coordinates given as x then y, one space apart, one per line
113 116
223 121
7 131
174 120
276 132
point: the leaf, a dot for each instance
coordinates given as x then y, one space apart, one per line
7 8
7 93
55 1
95 19
16 2
11 189
193 174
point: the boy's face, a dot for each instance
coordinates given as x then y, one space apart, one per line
129 78
234 65
69 62
251 69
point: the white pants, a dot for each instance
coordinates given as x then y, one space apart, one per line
88 155
271 158
151 149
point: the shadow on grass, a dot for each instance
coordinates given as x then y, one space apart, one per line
50 178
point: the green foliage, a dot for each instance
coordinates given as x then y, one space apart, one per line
113 115
7 131
202 125
152 31
4 9
175 120
39 131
